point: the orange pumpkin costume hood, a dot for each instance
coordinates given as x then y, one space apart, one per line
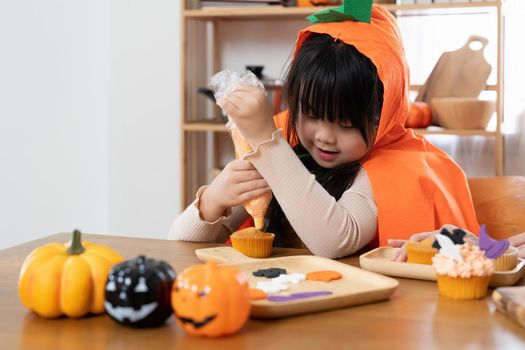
416 186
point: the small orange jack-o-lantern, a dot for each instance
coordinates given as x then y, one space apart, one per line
211 300
419 115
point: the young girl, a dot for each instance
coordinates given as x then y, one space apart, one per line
351 175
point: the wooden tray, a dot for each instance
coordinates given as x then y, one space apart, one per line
379 260
357 286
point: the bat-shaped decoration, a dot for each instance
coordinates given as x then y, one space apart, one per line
493 248
448 248
457 236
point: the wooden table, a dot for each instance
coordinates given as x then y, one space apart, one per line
415 317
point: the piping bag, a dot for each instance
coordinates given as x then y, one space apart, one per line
222 84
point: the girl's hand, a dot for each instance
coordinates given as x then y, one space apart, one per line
238 182
401 254
248 107
518 241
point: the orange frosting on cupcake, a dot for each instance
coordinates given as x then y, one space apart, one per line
474 263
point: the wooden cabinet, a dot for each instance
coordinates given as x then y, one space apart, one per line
202 125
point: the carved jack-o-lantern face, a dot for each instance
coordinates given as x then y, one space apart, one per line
211 300
138 292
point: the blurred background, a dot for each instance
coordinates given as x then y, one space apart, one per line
93 96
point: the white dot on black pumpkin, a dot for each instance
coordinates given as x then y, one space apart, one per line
111 287
141 287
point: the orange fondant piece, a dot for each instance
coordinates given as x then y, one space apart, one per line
323 275
257 294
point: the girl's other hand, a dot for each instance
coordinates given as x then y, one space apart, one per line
400 255
518 241
248 107
237 183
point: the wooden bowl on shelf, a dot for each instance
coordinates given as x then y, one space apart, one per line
462 112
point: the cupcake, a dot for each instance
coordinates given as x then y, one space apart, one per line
505 257
421 252
252 242
463 271
507 261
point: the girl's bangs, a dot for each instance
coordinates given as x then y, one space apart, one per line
322 93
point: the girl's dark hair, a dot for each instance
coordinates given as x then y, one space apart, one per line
332 81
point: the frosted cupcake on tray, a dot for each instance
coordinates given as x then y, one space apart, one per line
252 242
464 270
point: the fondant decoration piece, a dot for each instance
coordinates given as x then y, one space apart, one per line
271 286
448 248
257 294
294 278
457 236
493 248
297 296
272 272
323 275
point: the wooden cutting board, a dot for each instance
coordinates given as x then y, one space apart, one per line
511 301
355 287
460 73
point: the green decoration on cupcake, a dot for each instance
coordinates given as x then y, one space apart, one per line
351 10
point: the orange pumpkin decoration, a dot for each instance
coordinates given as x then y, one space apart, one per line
419 116
66 279
211 300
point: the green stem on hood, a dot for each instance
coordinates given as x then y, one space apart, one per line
75 246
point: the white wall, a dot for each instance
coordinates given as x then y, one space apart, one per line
53 134
144 116
89 96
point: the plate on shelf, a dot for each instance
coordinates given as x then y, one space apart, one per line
357 286
378 260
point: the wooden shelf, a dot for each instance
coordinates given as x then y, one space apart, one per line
457 132
489 87
220 127
280 12
205 126
202 139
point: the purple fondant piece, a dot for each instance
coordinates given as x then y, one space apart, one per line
296 296
493 248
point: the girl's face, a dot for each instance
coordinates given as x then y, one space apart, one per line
330 144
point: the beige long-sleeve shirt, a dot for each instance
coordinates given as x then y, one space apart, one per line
327 227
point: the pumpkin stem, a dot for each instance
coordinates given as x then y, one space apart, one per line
75 245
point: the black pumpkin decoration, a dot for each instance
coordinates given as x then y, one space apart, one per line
138 292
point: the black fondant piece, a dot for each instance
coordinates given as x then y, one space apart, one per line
269 273
457 236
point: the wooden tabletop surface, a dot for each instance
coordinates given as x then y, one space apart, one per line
414 318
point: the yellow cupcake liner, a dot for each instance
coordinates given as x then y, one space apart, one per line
419 254
254 247
474 287
507 261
